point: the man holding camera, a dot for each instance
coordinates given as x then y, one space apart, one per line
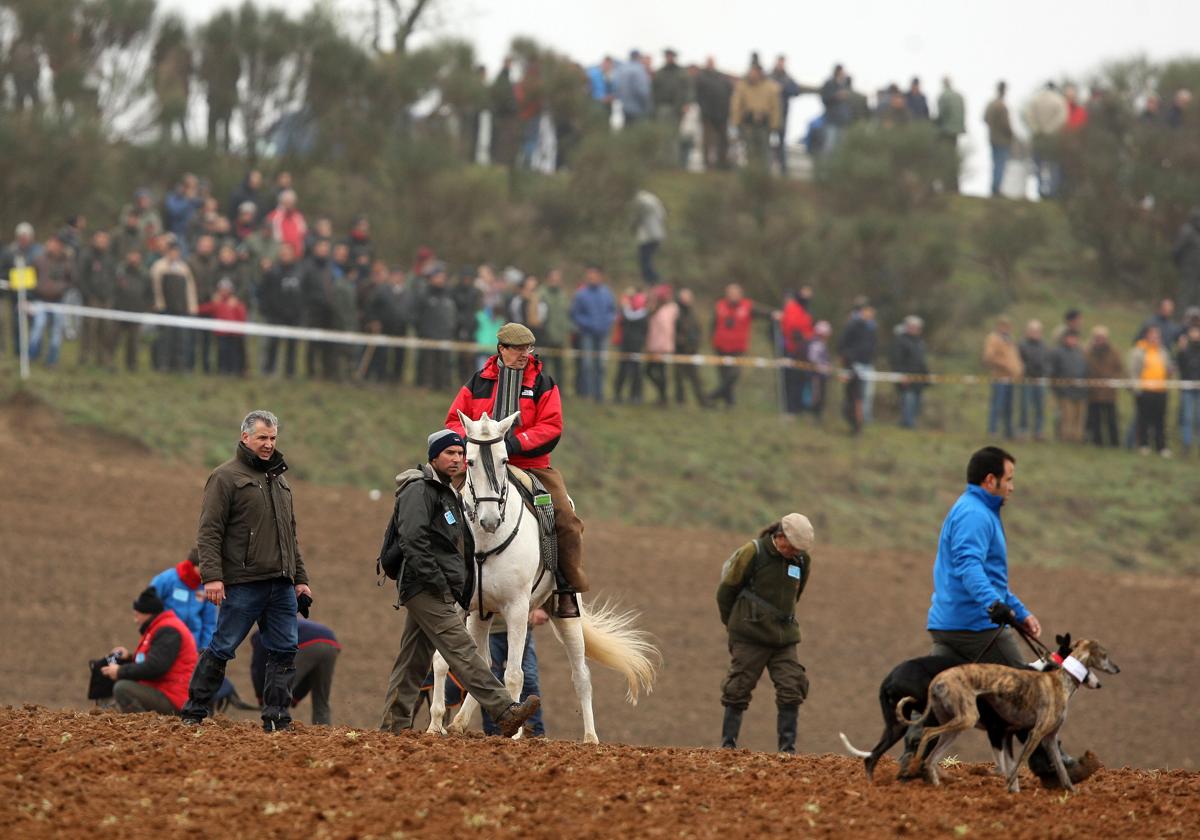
154 677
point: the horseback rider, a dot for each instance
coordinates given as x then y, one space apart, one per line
511 381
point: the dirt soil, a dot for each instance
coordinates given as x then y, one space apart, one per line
87 519
72 774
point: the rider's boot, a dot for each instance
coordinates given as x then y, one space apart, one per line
566 605
730 727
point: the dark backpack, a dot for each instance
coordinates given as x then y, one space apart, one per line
391 554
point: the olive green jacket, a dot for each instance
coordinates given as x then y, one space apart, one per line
247 524
758 594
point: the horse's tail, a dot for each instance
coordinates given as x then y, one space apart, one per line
610 638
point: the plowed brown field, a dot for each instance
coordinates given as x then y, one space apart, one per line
87 519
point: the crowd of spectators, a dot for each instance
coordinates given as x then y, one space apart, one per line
258 258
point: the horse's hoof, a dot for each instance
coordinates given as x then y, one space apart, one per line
591 739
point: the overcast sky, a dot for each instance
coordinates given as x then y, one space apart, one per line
976 43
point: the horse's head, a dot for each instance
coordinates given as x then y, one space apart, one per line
486 489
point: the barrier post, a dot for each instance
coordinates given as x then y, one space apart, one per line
23 333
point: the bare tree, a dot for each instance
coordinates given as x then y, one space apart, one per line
406 21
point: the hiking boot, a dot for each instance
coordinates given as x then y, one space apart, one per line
188 720
272 725
786 728
513 718
567 606
731 725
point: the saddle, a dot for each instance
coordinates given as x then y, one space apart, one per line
537 501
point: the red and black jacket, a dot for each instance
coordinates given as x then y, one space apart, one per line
535 435
164 659
731 327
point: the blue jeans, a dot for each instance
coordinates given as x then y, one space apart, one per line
1189 416
868 390
1033 401
271 604
591 370
1000 155
529 668
1000 408
44 322
910 406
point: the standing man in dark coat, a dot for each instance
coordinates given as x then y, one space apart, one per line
437 319
713 92
688 333
281 299
429 531
857 349
908 356
252 569
96 278
788 88
319 288
760 585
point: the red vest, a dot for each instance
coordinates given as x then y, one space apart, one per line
174 683
731 333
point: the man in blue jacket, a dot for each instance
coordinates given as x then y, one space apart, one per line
970 588
970 573
593 312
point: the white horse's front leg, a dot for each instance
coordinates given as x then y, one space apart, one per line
571 632
516 618
477 630
437 696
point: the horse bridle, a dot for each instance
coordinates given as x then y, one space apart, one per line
499 488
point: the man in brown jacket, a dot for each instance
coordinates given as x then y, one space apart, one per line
252 569
1103 362
1003 362
756 111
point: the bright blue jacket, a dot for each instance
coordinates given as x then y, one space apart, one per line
971 569
199 615
594 309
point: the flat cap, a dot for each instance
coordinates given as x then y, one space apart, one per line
798 531
515 334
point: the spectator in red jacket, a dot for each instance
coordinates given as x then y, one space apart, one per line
155 678
796 326
733 315
231 347
512 381
287 223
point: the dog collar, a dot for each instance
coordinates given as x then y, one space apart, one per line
1076 669
1057 658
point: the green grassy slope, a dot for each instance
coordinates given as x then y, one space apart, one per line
730 470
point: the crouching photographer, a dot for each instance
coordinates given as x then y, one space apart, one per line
155 678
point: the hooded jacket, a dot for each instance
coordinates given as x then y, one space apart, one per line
971 569
434 538
247 525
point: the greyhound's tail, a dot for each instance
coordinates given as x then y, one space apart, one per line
907 721
850 748
610 638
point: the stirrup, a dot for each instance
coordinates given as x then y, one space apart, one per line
566 607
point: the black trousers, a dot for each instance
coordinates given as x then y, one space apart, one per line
289 354
629 373
689 376
1102 423
656 372
727 378
1152 419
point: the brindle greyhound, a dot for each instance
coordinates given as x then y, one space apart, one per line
1031 700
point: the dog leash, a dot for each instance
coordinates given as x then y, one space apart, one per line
991 642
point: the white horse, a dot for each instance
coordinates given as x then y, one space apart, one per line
511 579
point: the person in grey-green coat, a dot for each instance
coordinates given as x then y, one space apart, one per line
760 585
951 123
